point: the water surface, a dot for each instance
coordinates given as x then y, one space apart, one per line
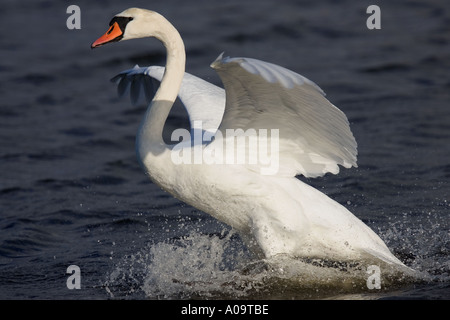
72 192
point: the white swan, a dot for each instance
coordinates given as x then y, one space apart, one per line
276 211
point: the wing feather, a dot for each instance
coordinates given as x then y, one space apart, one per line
314 135
204 102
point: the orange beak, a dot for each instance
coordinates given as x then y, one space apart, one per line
113 34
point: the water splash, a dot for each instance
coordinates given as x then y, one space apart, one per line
423 242
218 266
191 264
197 265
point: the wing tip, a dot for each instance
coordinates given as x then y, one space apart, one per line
219 60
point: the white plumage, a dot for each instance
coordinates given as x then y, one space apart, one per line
276 213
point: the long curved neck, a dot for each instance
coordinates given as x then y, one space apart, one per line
150 135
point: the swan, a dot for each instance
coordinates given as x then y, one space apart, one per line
273 211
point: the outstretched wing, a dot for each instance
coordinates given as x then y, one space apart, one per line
314 135
204 102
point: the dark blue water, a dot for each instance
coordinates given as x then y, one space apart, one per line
72 192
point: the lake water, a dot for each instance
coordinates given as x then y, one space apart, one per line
72 192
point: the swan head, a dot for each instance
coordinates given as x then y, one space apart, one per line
132 23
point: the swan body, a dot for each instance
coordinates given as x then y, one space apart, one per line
275 213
